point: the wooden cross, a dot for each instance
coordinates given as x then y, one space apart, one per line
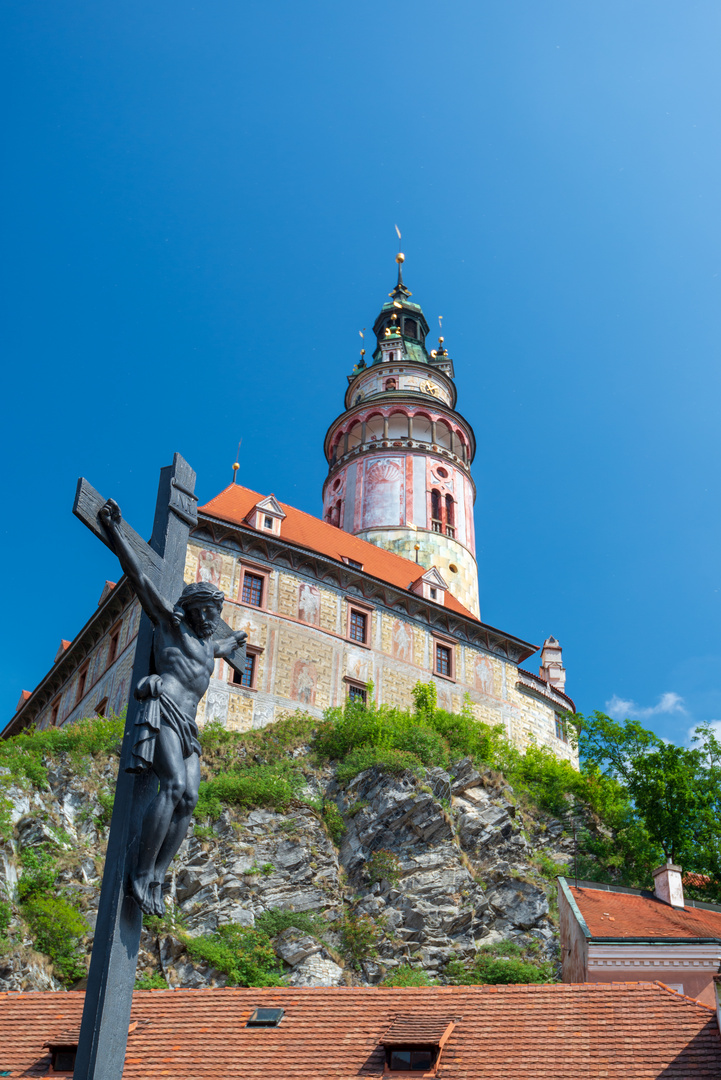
109 994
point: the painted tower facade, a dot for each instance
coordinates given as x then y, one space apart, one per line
399 456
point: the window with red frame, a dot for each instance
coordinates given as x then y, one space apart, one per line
82 679
444 660
252 589
247 679
358 626
113 648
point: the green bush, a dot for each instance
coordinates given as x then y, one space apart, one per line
244 955
391 761
39 871
405 975
258 785
58 929
275 920
334 822
151 982
359 935
23 754
383 866
489 968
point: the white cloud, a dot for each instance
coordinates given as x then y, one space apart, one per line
623 708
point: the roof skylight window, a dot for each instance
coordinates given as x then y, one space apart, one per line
265 1017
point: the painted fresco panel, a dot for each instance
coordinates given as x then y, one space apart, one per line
210 567
349 505
383 486
309 603
419 491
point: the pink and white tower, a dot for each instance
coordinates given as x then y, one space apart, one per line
400 455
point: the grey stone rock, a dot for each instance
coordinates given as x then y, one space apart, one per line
317 970
293 946
465 775
522 903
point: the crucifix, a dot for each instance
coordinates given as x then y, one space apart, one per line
181 633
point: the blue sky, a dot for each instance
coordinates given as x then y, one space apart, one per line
199 209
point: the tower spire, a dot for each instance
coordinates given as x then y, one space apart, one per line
400 291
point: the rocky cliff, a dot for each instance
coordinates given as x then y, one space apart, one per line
414 874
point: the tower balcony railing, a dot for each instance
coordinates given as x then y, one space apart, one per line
399 444
450 531
436 525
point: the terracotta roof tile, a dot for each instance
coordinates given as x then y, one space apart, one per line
235 503
611 914
621 1031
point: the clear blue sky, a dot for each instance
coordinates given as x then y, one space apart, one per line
199 206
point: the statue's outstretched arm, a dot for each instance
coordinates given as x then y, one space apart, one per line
226 646
155 607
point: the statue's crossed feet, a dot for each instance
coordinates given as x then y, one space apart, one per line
147 894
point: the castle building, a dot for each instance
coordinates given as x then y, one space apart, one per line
382 591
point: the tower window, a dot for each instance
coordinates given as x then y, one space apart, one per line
54 713
391 357
436 523
450 519
561 732
411 328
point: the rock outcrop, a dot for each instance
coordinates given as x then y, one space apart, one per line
439 864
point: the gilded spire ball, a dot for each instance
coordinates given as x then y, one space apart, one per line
236 466
400 257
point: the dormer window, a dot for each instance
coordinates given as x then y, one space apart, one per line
266 516
415 1044
431 585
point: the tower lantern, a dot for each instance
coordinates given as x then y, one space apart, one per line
400 454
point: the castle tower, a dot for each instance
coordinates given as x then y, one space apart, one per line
400 455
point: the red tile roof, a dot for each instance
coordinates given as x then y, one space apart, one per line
621 1031
406 1030
235 503
618 914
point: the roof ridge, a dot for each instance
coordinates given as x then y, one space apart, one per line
686 997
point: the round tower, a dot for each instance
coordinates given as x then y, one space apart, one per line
400 455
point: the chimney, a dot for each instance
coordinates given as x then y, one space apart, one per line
552 669
667 884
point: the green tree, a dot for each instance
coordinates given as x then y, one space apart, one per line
675 791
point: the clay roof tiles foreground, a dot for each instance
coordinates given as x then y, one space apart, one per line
627 915
235 503
620 1031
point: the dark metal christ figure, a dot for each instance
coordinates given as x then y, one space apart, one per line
166 734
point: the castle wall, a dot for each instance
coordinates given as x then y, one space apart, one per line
305 660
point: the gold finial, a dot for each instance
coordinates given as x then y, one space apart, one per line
236 463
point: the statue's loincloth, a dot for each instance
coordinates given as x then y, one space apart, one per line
158 709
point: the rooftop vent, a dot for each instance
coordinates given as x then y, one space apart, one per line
265 1018
414 1044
